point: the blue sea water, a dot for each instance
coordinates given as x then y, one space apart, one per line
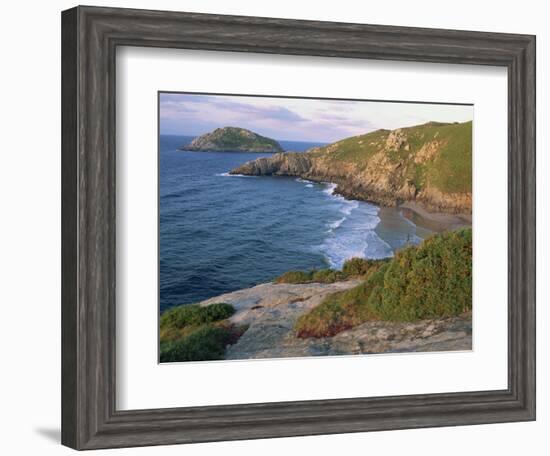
220 233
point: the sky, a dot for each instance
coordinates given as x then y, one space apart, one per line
296 119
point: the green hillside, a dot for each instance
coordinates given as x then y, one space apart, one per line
429 164
449 170
432 280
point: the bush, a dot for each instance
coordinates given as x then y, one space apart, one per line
194 315
341 310
432 280
429 281
216 312
327 276
355 267
204 344
295 277
180 321
196 333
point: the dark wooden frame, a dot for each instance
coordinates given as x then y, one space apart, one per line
90 36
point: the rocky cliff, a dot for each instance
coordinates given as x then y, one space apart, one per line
233 139
430 164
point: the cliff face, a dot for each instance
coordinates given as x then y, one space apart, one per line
280 164
430 164
232 139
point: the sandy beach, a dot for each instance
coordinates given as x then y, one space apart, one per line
434 221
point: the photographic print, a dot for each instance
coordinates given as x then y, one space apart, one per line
298 227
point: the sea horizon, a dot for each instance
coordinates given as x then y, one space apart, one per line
189 138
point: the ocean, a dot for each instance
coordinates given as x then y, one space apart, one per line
221 233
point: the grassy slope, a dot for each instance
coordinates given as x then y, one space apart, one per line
450 172
432 280
353 268
195 333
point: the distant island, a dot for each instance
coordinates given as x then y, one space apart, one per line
233 139
428 164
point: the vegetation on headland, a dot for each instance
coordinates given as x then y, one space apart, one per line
435 153
233 139
429 164
431 280
196 333
352 269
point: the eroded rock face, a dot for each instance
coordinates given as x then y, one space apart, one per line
427 152
438 201
389 176
396 140
271 310
280 164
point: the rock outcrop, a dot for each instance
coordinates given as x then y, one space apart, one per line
271 310
430 164
233 139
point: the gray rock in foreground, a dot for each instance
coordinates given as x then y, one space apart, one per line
271 311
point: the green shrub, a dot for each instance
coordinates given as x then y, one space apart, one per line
216 312
194 315
325 320
429 281
432 280
206 343
356 267
295 277
327 276
341 310
196 333
180 321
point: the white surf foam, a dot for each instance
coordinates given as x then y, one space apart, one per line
233 175
353 235
336 224
330 189
339 247
304 181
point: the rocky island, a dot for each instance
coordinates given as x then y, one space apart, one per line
233 139
429 164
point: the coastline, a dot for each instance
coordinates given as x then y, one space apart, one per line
227 151
394 225
426 222
434 221
415 212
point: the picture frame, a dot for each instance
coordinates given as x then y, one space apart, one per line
90 36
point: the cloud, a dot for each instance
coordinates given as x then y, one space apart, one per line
295 118
176 104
